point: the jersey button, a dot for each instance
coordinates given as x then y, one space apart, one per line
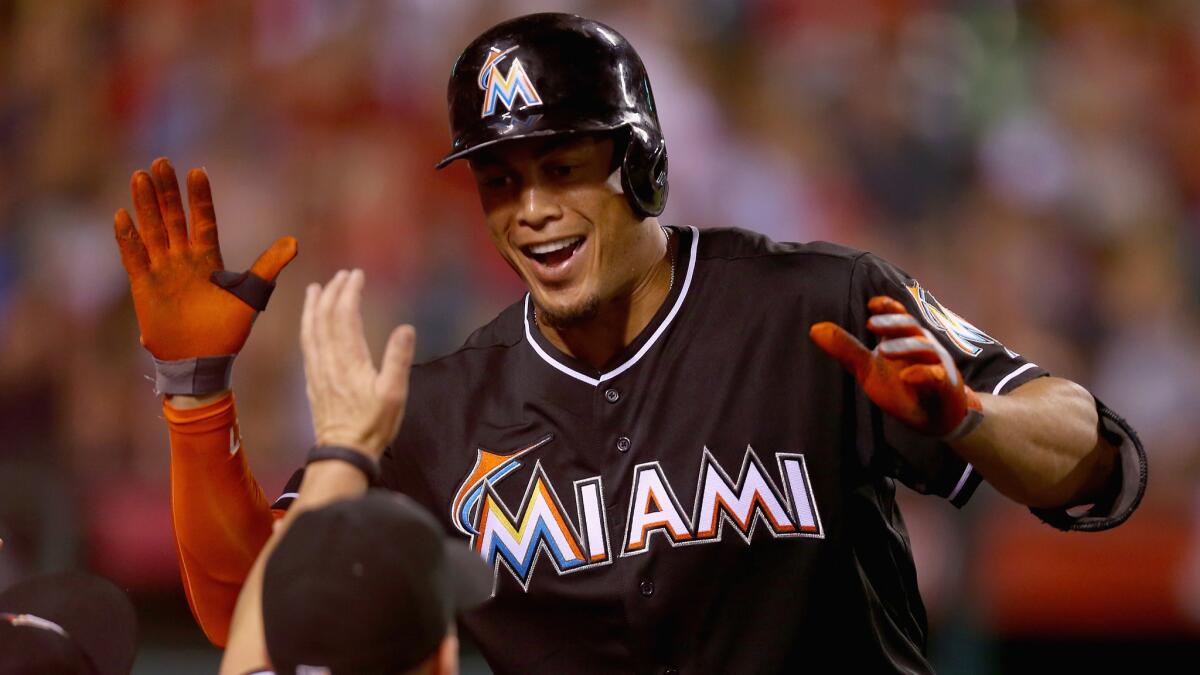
647 588
671 671
623 444
612 395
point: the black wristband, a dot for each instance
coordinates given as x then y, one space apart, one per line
368 466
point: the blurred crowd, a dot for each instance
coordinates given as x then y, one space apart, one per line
1036 165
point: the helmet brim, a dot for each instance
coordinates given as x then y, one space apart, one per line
536 133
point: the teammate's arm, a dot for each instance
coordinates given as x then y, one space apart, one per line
1039 445
194 317
353 406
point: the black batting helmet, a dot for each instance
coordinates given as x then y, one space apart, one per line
547 74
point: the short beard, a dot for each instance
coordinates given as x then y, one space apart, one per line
571 316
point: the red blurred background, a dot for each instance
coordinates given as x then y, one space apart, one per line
1037 165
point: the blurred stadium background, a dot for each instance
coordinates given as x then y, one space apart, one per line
1035 164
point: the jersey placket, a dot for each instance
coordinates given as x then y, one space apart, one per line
615 445
619 425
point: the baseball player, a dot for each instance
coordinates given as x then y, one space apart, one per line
678 451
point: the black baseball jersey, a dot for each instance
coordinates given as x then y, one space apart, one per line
718 498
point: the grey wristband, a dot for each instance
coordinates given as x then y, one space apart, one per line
972 419
194 377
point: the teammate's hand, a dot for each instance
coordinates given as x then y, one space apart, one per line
353 405
181 312
908 374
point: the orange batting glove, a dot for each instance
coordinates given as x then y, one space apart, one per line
909 374
193 314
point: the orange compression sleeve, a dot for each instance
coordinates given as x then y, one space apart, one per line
221 518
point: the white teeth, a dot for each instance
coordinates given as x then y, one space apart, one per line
551 247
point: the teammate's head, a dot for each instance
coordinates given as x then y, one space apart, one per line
69 623
556 115
368 585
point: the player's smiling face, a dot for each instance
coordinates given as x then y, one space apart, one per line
556 213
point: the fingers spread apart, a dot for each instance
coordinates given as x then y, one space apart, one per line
323 309
392 383
894 325
171 202
133 251
200 207
274 259
330 353
841 345
922 349
308 339
149 218
925 376
882 304
347 321
919 349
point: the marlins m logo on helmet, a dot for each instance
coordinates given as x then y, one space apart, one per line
497 86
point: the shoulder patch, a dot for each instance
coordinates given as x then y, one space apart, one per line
966 337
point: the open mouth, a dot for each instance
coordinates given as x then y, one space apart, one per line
553 253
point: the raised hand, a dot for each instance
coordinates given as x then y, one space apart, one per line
182 311
908 374
353 405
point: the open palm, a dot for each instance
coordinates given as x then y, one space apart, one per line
181 312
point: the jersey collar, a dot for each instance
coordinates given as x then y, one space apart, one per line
685 265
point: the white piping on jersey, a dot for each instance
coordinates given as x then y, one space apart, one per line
995 391
287 495
662 327
961 482
1010 376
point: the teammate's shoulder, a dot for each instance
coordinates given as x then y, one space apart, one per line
735 243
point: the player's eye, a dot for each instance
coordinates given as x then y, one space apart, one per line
495 182
561 170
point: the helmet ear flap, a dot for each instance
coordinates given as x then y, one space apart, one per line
644 172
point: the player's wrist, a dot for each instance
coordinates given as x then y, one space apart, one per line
971 419
350 456
199 376
366 447
188 402
973 400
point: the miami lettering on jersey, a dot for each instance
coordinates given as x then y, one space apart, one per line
966 337
505 88
516 539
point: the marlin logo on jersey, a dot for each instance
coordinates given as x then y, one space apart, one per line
958 330
489 466
502 88
516 539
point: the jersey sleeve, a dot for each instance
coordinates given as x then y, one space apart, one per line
925 464
290 491
1124 490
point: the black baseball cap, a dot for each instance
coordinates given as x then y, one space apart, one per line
70 623
366 585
